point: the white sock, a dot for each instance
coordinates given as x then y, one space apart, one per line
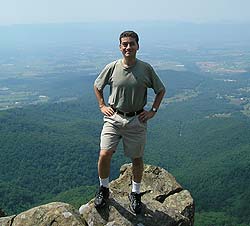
136 187
104 182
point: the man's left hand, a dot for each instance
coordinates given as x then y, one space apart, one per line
146 115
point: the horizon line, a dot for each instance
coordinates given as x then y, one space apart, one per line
221 22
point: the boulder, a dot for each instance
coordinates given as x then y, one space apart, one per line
165 202
52 214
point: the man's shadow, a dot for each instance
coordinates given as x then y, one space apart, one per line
147 216
105 212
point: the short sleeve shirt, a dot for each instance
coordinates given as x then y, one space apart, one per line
128 86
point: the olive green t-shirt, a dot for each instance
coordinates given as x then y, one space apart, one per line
128 86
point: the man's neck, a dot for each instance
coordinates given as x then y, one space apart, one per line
128 62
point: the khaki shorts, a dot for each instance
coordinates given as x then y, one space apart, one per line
129 129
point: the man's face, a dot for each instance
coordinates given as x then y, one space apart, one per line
128 47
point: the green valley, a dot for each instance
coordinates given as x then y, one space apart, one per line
51 148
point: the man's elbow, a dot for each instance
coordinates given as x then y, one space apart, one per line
96 88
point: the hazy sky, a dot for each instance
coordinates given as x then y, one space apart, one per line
54 11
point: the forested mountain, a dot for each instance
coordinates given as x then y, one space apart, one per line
201 135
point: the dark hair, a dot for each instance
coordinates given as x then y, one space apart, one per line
131 34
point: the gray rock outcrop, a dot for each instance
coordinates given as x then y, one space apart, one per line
52 214
165 203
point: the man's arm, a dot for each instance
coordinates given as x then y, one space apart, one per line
158 98
146 115
104 109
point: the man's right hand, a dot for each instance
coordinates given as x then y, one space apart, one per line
108 111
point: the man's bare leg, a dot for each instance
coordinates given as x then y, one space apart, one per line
103 170
104 163
137 169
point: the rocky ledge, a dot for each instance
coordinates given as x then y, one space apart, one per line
165 203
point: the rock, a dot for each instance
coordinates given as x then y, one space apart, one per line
6 221
52 214
165 202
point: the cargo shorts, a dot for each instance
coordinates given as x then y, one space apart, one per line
130 130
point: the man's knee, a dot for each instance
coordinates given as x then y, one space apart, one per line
106 153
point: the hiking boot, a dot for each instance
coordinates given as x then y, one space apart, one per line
101 197
135 202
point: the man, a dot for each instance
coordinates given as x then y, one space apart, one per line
124 115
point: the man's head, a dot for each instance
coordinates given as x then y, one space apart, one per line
131 34
129 44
